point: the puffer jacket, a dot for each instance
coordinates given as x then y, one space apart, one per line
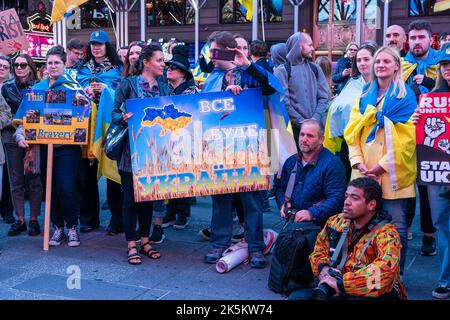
319 185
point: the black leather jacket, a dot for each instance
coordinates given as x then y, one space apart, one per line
12 92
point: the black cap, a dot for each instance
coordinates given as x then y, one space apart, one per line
180 58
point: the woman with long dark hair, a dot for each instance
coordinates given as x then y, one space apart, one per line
101 69
24 77
146 84
132 57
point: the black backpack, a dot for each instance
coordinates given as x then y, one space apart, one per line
291 268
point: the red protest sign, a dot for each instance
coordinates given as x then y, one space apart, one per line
12 36
433 139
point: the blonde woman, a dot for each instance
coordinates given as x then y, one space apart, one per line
343 70
382 139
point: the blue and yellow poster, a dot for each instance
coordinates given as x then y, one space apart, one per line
55 117
196 145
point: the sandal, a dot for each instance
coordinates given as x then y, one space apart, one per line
133 256
151 253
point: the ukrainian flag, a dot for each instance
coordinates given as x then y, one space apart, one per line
60 7
200 76
248 5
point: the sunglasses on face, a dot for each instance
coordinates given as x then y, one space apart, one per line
172 67
22 65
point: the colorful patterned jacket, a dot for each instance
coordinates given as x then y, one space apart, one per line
378 270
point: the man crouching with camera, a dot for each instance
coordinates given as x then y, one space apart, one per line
357 254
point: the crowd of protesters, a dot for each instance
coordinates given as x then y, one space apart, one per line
339 117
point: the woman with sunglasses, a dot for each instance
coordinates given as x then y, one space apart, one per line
66 158
146 84
343 70
25 76
5 120
101 69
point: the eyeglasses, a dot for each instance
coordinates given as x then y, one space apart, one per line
172 67
22 65
4 67
353 50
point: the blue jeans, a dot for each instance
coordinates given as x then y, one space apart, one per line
397 210
222 220
440 213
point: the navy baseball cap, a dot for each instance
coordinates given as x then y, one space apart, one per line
444 53
99 36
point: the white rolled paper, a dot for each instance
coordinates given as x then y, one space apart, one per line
231 260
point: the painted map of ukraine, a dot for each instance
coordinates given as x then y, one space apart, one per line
169 118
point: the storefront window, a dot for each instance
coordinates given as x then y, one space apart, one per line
94 15
324 10
345 10
169 12
420 8
241 11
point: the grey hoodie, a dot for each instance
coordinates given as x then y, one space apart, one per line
306 96
278 54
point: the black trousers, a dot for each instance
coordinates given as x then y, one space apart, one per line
114 196
6 204
344 157
90 198
133 212
426 223
180 206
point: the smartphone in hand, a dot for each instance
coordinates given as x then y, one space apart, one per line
223 54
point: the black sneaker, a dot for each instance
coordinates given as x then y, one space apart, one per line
181 223
168 220
17 228
441 292
428 246
34 228
205 234
112 231
257 260
157 236
58 237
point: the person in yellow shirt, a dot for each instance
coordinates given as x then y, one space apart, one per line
382 138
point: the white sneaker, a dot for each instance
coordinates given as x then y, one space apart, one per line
74 239
58 237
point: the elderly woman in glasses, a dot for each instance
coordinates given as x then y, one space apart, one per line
343 70
24 77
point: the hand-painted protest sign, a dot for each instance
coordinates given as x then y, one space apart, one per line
55 116
433 139
12 36
202 144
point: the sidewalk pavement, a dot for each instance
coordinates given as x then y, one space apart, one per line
27 272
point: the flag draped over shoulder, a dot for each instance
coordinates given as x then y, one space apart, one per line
103 118
60 7
400 134
200 76
111 77
427 67
441 5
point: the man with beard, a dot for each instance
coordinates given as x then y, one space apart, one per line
419 72
396 38
319 185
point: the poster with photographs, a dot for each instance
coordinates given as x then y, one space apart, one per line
56 117
433 139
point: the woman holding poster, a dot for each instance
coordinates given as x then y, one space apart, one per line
146 84
382 139
25 76
439 195
66 158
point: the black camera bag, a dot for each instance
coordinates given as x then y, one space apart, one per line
290 268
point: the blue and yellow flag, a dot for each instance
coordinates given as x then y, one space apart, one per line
248 6
441 5
200 76
60 7
103 118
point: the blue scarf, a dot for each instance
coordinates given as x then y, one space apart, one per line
64 82
396 110
111 77
422 66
